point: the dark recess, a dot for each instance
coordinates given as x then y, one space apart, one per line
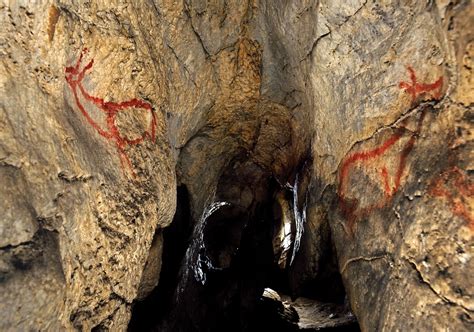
148 313
239 245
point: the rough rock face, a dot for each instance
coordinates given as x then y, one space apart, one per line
351 119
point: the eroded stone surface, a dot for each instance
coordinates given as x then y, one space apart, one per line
226 97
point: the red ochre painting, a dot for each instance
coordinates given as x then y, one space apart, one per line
109 129
397 147
458 190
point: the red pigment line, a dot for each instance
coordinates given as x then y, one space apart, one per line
462 183
385 179
84 112
350 208
406 151
416 89
111 109
351 211
464 189
75 69
460 210
365 156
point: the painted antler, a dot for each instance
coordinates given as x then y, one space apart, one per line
75 77
350 207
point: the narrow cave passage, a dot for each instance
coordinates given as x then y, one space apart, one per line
240 259
147 314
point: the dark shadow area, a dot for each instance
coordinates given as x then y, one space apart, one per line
325 286
147 314
238 261
239 256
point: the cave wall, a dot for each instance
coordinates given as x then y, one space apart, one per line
106 107
403 222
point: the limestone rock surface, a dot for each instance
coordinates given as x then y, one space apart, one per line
358 113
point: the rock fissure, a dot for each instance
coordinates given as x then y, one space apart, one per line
362 258
433 289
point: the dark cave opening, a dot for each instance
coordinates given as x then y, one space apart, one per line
147 314
241 264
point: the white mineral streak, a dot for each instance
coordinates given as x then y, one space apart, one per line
196 257
299 217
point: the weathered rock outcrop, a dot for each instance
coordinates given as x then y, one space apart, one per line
348 121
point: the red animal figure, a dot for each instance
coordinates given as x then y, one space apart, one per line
416 89
456 187
74 77
350 207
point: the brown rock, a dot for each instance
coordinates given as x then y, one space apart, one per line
361 110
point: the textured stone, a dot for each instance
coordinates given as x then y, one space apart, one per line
371 101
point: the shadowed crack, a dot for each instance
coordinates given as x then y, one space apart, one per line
196 33
363 258
183 65
315 43
411 112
